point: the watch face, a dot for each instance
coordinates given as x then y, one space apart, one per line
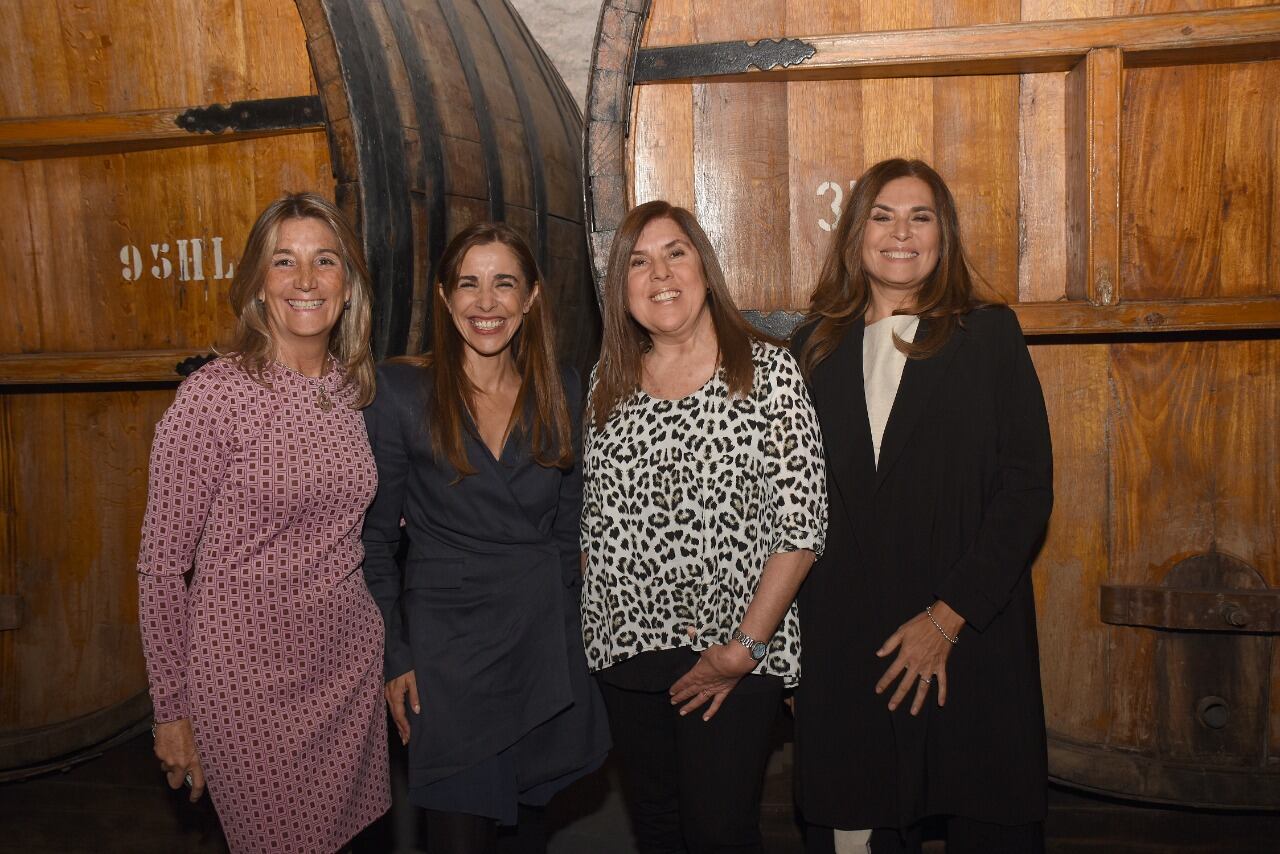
758 651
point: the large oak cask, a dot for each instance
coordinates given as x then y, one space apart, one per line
1115 166
137 144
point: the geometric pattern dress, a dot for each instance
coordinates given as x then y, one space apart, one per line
274 648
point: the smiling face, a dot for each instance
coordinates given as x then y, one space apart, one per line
901 240
304 289
490 300
666 288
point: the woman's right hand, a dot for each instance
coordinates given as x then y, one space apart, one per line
403 687
175 747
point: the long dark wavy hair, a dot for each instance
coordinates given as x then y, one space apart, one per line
625 341
547 421
843 294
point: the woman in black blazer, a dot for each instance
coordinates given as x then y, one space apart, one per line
921 688
476 445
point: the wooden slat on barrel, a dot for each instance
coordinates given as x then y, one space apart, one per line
1074 560
67 136
1042 200
1042 272
554 171
1236 35
522 138
85 58
123 366
824 146
661 122
8 560
1078 317
1163 394
1227 202
1245 493
76 454
983 172
1093 177
740 161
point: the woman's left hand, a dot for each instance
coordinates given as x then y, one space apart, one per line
717 672
922 657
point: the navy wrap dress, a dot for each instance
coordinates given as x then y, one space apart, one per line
484 609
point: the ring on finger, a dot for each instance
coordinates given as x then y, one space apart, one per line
928 680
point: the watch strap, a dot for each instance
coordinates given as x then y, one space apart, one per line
754 648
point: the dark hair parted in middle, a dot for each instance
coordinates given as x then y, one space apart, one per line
625 341
843 294
541 408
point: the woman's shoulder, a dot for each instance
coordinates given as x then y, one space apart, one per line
401 376
219 379
214 394
992 319
773 358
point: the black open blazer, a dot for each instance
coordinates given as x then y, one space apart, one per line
955 512
486 608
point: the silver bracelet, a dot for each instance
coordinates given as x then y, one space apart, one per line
928 609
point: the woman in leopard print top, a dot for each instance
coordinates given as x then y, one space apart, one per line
704 506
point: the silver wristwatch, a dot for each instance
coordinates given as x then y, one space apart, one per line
756 649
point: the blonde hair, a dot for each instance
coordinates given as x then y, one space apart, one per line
254 347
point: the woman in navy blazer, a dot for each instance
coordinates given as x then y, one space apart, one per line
476 445
921 689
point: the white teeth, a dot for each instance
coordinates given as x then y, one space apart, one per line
664 296
900 256
306 303
487 324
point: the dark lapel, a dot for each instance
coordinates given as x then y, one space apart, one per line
846 430
919 381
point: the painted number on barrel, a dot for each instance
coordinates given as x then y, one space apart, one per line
836 192
185 257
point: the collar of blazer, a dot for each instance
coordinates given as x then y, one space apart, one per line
842 412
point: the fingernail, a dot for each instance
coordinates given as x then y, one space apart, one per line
417 710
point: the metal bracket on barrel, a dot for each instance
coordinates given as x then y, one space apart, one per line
1253 611
10 613
265 114
715 59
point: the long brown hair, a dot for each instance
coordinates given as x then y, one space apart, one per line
253 345
843 293
625 341
533 348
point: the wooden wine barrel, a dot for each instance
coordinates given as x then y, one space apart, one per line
1114 163
137 144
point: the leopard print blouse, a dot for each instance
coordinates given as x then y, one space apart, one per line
684 501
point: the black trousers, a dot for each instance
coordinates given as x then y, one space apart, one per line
464 833
964 836
693 786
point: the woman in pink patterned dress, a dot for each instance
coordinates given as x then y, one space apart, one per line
266 670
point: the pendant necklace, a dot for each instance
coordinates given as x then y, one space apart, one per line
323 400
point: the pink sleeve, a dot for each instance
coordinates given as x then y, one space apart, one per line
188 458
